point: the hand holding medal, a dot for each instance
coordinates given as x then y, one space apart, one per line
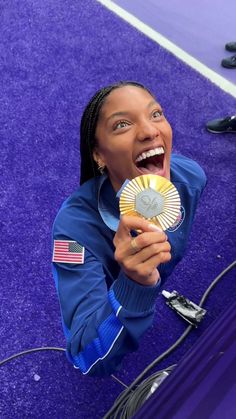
149 204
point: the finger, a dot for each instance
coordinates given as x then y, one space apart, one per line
128 223
148 252
155 261
134 246
145 269
129 246
136 261
147 239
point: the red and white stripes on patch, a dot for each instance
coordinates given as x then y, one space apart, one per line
68 251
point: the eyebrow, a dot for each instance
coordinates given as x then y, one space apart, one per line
126 113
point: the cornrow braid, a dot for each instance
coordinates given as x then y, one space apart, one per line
88 167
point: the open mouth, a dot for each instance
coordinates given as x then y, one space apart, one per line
151 161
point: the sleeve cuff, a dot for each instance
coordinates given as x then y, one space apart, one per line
133 296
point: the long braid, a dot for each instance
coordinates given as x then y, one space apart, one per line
88 125
87 135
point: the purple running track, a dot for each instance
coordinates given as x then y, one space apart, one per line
200 28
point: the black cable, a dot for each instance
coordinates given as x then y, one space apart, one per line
135 400
28 351
143 392
47 348
125 394
214 282
140 395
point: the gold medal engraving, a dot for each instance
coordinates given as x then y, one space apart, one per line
151 197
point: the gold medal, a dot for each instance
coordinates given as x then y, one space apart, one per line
151 197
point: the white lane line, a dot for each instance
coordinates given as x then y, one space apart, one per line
220 81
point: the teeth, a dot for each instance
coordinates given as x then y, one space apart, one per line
154 152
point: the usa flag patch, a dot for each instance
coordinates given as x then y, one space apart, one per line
68 251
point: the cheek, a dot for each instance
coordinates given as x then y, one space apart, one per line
118 148
168 136
113 156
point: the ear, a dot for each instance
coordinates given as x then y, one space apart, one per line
97 157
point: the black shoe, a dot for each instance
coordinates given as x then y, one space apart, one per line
229 62
218 126
231 46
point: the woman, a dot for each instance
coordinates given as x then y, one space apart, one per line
107 279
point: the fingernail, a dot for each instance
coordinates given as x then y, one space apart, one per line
153 227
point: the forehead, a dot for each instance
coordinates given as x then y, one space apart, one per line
125 98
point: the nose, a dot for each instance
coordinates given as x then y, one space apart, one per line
148 130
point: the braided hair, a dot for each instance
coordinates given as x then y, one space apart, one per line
88 167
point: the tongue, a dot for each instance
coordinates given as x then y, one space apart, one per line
153 168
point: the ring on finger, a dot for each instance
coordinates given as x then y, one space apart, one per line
134 245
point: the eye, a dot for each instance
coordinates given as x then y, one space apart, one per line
120 124
157 114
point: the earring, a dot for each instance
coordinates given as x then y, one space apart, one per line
101 167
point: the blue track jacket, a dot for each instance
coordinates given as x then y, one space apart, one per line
104 313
